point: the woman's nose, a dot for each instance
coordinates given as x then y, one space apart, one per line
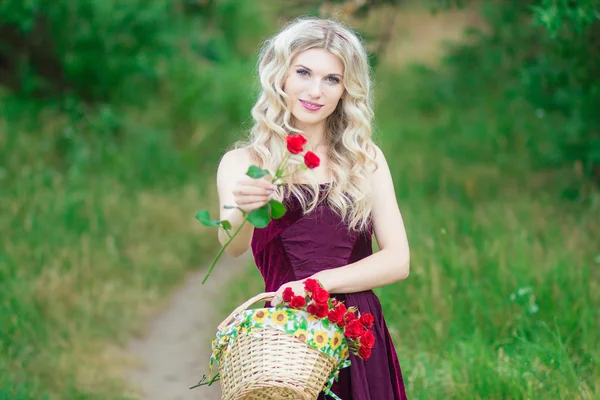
315 88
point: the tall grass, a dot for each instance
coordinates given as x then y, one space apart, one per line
502 298
97 220
87 250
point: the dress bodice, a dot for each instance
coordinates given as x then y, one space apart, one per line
296 246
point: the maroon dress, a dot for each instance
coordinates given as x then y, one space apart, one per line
295 247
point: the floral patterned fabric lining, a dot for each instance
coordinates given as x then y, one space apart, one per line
319 334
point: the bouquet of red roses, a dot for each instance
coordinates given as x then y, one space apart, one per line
355 326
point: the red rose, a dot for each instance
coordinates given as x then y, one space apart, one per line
295 143
364 352
320 296
311 285
342 308
318 310
350 316
321 310
367 320
297 302
354 329
287 294
311 160
367 339
335 316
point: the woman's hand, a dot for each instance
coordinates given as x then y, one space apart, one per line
296 286
251 194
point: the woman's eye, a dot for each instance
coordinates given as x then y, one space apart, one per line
333 79
302 71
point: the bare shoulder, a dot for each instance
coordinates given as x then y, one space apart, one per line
234 163
379 156
380 161
236 157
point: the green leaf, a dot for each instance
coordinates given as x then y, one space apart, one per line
226 224
325 323
204 217
255 172
260 217
303 324
277 209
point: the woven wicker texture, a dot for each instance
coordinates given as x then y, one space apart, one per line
274 366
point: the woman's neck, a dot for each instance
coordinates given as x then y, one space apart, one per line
314 133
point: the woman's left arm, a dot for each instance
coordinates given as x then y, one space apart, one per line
391 263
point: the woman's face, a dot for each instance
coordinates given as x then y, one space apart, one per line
315 85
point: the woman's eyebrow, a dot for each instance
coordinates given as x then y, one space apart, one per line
310 70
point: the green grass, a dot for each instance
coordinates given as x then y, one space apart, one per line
502 299
98 200
503 294
98 226
83 260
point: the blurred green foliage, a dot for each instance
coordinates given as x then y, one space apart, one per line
547 53
113 116
99 64
109 50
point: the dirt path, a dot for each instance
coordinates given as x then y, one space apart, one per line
175 353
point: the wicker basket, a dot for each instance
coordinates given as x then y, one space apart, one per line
274 366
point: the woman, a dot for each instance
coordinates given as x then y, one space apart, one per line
315 81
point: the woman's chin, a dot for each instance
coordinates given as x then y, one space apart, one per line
308 120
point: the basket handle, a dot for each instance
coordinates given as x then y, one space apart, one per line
243 307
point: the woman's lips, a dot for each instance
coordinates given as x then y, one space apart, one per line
311 106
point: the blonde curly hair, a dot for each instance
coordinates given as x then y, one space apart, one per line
351 153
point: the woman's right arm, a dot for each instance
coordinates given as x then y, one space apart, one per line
237 189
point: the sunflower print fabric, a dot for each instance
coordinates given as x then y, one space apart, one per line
319 334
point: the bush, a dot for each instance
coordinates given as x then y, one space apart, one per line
103 50
547 53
